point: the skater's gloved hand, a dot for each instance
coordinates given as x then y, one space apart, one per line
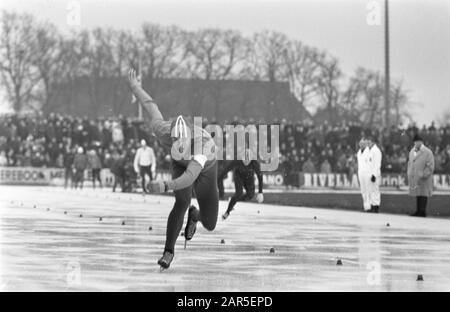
133 79
260 197
157 187
373 179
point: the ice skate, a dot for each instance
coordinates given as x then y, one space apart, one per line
165 260
226 214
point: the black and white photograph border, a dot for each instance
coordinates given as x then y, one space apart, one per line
224 146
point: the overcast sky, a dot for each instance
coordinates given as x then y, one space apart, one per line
420 32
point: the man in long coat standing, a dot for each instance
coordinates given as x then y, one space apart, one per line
420 175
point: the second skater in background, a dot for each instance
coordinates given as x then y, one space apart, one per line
244 178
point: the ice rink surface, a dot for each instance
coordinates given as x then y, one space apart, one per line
42 248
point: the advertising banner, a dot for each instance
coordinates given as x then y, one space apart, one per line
344 181
271 180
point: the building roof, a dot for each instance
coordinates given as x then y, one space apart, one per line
215 99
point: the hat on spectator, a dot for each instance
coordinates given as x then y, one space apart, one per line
417 138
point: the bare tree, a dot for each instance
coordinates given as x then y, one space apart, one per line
328 84
51 61
400 102
37 62
363 99
349 102
99 62
367 88
213 53
74 56
17 54
156 50
302 70
160 49
265 60
122 46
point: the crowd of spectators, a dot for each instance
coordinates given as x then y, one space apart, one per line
51 141
323 148
48 141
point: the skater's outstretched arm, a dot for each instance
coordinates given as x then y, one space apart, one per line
188 178
150 107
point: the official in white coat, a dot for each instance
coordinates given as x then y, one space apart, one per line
374 169
363 172
145 163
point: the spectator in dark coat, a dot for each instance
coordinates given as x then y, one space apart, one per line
80 164
68 168
308 166
118 170
420 175
95 165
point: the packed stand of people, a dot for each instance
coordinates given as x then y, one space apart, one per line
53 141
75 144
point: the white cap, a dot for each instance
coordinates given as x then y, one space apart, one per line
180 128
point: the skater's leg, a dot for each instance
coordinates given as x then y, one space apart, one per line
208 198
176 216
240 184
239 191
221 188
249 186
